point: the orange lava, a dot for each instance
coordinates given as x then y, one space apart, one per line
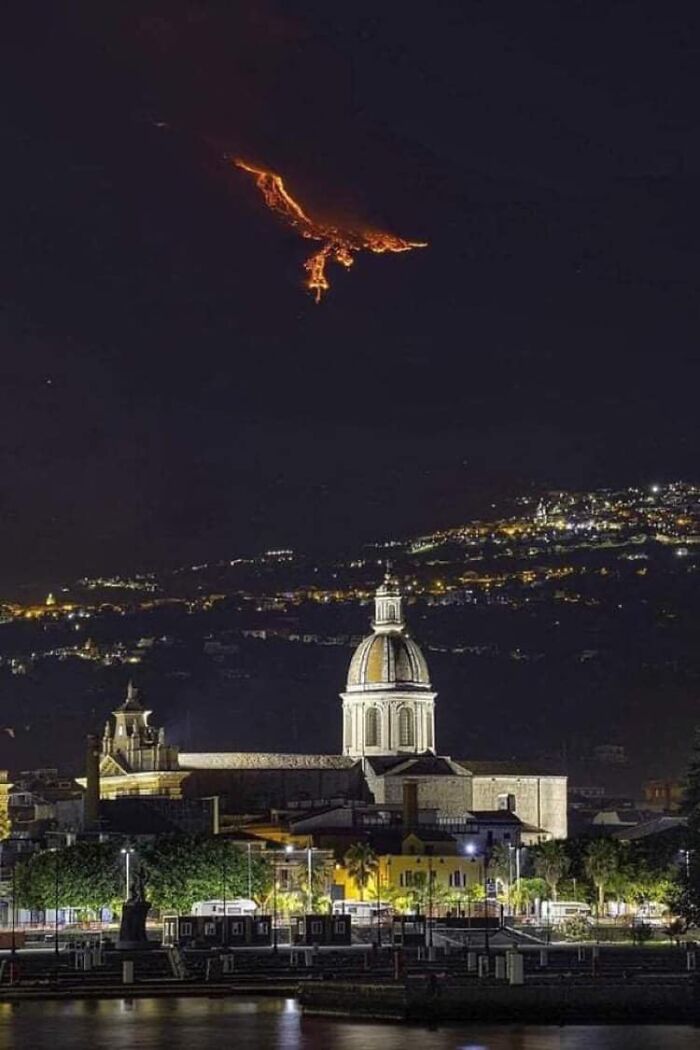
337 244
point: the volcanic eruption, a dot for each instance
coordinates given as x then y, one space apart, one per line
338 243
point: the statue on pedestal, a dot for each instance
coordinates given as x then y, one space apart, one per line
132 929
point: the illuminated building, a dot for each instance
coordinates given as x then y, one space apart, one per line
388 741
388 705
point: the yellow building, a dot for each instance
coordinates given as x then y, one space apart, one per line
409 865
5 787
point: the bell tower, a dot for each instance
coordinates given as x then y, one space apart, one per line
137 746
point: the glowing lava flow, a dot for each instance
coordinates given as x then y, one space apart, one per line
337 245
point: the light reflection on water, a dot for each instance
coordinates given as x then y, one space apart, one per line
243 1024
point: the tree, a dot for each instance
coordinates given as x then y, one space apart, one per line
88 875
182 869
602 866
500 864
527 892
686 898
551 863
361 864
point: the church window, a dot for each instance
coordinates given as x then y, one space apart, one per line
429 730
348 728
372 732
406 728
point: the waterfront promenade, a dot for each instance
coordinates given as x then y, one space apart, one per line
566 985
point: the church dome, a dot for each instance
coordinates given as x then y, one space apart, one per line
387 660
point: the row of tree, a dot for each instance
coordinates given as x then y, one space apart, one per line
177 870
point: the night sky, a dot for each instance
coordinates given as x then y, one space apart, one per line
168 389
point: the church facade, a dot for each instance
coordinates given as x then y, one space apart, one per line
388 731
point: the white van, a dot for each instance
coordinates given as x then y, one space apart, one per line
237 906
557 912
362 911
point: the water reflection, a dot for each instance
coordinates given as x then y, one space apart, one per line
244 1024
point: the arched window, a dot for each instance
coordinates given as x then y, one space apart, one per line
372 730
347 728
407 733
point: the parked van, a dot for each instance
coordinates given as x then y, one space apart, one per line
237 906
557 912
362 911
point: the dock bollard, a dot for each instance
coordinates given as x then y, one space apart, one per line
500 967
128 971
471 962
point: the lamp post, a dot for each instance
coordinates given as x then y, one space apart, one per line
686 853
275 943
126 852
430 896
470 850
14 908
56 871
223 892
250 874
487 859
379 902
309 875
274 903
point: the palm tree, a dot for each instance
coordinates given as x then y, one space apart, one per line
361 863
501 864
602 866
551 864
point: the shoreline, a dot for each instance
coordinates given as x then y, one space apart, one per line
651 1001
555 1003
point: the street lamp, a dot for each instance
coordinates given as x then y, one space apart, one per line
309 876
470 850
250 874
126 852
487 859
515 849
686 853
56 869
223 892
379 902
275 943
14 908
429 851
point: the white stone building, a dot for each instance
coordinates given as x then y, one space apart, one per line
388 726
